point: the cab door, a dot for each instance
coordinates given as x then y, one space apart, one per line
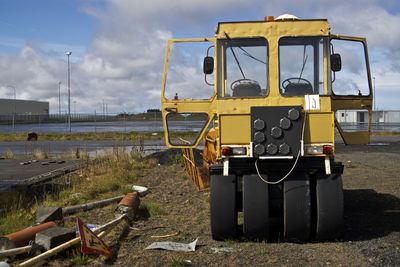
188 93
351 88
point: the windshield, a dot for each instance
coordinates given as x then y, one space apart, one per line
245 63
301 65
352 80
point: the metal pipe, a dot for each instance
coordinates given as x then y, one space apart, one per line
24 236
103 230
15 251
90 206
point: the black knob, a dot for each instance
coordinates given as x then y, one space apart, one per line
272 149
284 149
259 137
293 114
285 123
259 149
259 124
276 132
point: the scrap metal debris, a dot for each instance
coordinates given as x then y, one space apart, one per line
174 246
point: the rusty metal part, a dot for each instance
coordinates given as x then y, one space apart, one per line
200 175
22 237
128 205
131 200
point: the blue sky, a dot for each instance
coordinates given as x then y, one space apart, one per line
118 45
45 22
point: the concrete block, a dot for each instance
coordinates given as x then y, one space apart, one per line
55 236
47 214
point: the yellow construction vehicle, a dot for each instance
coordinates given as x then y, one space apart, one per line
264 98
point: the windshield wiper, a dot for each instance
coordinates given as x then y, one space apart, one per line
250 55
305 57
234 55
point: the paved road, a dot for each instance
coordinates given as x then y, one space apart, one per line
24 148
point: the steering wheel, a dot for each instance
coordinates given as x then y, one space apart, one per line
233 84
291 80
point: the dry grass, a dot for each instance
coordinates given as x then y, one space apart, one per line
107 176
8 154
40 154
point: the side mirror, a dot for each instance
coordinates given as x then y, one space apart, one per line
208 65
336 62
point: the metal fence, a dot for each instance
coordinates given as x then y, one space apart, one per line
152 122
80 122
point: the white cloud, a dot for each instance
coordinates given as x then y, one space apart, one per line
124 63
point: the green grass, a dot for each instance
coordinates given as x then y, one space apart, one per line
16 220
153 209
78 258
108 176
83 136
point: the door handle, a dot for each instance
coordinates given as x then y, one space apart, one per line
172 110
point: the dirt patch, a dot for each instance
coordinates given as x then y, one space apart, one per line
372 221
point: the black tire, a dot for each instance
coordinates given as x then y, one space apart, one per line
297 207
223 207
329 196
255 208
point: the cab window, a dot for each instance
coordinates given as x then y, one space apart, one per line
352 79
301 65
244 63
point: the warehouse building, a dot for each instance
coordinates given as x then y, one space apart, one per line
23 107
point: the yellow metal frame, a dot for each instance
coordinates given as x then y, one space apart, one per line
240 107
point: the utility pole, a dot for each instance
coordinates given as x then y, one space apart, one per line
69 94
15 107
59 98
374 94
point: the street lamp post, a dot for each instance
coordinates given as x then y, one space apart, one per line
374 95
59 98
69 94
15 107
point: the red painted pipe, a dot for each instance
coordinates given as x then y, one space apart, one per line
22 237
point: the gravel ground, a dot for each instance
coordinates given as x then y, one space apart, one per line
372 221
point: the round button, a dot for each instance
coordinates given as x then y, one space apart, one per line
259 124
272 149
276 132
285 123
259 149
284 149
293 114
259 137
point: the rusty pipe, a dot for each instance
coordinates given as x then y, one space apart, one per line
130 200
22 237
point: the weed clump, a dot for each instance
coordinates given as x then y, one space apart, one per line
8 154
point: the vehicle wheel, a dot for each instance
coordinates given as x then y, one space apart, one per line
223 207
255 208
329 195
297 207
